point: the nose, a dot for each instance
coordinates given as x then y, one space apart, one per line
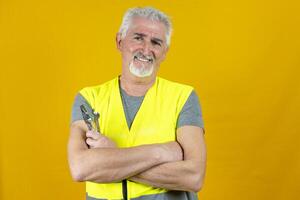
147 48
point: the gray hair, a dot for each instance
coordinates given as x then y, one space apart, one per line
149 13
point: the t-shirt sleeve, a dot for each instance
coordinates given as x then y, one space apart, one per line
76 112
191 113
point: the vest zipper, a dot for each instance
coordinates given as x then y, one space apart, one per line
124 189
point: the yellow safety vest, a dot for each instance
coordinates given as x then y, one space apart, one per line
155 122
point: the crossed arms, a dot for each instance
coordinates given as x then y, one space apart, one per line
176 165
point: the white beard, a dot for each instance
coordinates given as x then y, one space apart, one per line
140 71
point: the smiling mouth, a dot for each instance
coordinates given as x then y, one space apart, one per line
143 59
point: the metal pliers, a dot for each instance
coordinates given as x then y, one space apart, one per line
92 124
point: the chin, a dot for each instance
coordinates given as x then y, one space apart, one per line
140 72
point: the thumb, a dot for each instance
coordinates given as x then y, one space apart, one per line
92 134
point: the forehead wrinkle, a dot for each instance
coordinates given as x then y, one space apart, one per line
152 28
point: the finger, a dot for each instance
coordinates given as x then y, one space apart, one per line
90 141
92 134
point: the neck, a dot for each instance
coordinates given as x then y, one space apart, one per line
136 86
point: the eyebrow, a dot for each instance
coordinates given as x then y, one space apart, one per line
153 39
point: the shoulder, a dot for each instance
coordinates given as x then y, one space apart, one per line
91 92
170 86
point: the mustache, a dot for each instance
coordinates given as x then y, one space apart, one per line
141 55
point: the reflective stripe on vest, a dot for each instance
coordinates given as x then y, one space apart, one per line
155 122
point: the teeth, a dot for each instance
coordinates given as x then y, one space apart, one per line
145 60
142 59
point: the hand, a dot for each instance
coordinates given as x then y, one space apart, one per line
173 152
97 140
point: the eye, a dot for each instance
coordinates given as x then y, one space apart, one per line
138 38
154 42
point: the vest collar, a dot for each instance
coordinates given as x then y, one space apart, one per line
150 94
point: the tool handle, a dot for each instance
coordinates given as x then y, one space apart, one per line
86 117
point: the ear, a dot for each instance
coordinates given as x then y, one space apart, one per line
119 41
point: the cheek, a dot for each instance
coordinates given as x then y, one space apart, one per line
132 47
127 53
160 55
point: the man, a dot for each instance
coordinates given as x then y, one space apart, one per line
150 144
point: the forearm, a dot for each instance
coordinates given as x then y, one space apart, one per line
106 163
115 164
182 175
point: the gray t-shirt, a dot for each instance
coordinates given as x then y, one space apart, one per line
190 114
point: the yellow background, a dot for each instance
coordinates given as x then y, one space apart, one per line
241 56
